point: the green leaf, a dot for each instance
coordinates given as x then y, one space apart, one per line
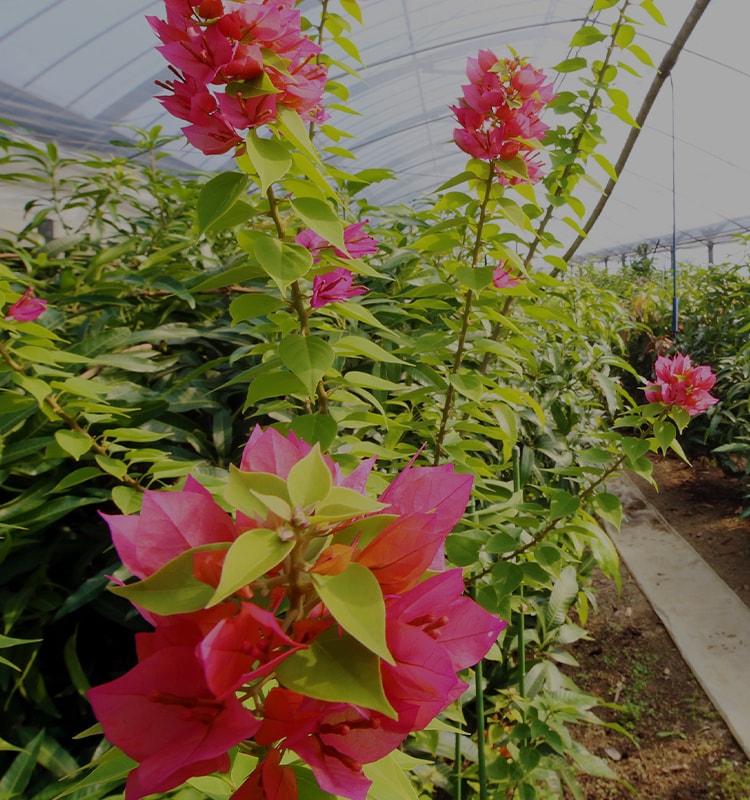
605 164
680 417
624 36
308 357
227 277
81 387
587 35
74 443
608 507
563 594
36 387
342 503
634 448
218 196
133 435
283 262
355 600
512 211
257 493
316 428
621 112
475 278
349 310
274 384
238 214
641 55
337 668
562 504
309 480
113 766
251 555
649 7
127 500
75 670
320 217
664 433
18 775
290 124
10 641
372 381
389 780
173 589
75 478
352 9
468 385
571 64
359 346
269 157
251 306
112 466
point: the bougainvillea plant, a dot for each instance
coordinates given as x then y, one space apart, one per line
310 618
296 620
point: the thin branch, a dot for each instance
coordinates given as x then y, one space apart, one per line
666 66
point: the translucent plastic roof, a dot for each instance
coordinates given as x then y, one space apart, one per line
74 70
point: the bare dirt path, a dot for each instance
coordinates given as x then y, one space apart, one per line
682 748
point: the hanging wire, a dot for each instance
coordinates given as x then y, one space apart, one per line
675 301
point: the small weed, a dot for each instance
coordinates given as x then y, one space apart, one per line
732 781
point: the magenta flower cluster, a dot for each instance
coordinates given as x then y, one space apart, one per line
236 63
200 685
337 285
679 383
499 113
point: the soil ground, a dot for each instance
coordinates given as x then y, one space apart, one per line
682 750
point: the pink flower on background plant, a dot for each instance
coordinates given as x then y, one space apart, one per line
499 112
358 243
27 308
680 383
333 287
502 279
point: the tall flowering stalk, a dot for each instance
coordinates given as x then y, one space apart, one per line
303 620
499 122
241 65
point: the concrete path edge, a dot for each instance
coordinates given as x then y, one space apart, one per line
707 621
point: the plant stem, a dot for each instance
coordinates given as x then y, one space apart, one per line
561 184
582 129
465 317
481 754
516 456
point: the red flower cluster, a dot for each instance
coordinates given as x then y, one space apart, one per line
196 691
499 112
679 383
252 49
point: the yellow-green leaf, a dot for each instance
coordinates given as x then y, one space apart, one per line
355 599
339 669
250 555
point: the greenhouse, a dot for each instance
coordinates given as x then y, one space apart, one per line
374 418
